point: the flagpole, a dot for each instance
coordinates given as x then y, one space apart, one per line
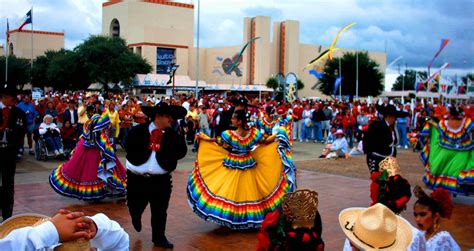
32 33
340 85
7 54
357 74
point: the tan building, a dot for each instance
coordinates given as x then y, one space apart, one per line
162 32
21 42
2 50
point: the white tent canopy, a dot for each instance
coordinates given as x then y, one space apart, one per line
184 81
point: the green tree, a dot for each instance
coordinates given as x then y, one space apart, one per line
370 78
272 83
66 71
300 84
19 70
108 60
407 81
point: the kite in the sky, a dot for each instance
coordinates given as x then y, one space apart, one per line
316 73
326 53
230 64
319 58
444 42
421 84
333 44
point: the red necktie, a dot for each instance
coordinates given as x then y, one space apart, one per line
155 140
6 116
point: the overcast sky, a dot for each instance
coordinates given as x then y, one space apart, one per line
409 28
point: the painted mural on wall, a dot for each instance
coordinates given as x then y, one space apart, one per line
227 66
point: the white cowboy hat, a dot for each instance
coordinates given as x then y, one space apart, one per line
375 228
339 131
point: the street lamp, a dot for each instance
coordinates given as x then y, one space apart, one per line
197 49
172 70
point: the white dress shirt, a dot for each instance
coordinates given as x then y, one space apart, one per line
151 166
110 236
72 117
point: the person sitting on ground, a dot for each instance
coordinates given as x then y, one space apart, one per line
331 137
428 211
69 136
66 230
338 149
51 135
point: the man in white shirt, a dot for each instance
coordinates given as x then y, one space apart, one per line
153 150
103 233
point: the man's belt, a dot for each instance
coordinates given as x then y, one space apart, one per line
146 175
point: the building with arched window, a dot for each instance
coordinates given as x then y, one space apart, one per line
162 32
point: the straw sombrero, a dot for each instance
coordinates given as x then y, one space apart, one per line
19 221
32 220
375 228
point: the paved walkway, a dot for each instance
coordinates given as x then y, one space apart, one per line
188 232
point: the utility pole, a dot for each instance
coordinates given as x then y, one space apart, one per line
357 74
197 51
340 74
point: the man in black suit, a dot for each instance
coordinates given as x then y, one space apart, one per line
12 131
153 150
381 138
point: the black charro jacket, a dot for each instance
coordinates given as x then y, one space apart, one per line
378 139
173 147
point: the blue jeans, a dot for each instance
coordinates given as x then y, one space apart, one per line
402 133
206 131
350 137
305 132
317 131
124 134
53 142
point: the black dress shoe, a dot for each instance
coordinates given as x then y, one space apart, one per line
137 224
164 244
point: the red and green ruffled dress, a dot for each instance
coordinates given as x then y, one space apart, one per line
448 156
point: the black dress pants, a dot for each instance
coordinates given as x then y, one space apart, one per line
155 190
7 169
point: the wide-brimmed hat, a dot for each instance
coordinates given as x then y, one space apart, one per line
32 220
8 90
386 110
375 228
391 165
162 108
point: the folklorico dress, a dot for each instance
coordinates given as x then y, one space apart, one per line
265 126
448 156
237 180
93 171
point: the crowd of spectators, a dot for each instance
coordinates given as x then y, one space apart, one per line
62 116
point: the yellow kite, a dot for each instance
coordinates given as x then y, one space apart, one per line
331 48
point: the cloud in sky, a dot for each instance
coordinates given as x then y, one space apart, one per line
409 28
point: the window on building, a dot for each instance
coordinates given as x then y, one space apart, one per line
139 50
115 28
10 50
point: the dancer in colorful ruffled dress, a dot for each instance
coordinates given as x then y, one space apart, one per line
93 171
266 121
241 176
448 153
